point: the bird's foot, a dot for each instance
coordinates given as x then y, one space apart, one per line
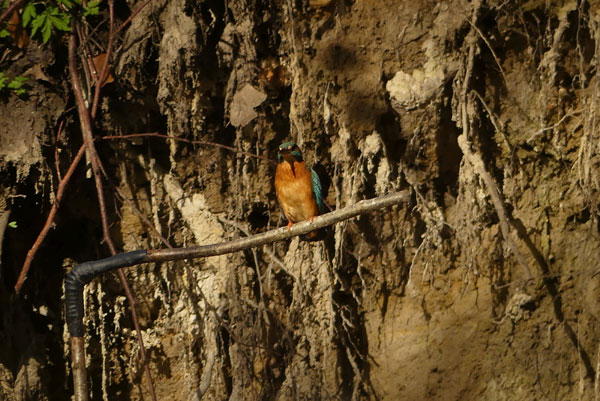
289 225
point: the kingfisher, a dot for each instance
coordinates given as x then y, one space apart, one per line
298 187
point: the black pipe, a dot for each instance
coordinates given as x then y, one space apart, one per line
82 274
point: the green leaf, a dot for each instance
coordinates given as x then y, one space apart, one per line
92 8
29 12
4 33
12 224
62 24
17 82
67 3
3 79
46 30
37 23
52 10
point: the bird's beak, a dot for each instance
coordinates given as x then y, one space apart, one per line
287 156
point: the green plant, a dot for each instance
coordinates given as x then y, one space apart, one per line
49 19
15 85
12 224
4 33
92 8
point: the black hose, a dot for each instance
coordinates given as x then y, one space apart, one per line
82 274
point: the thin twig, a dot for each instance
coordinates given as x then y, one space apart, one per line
141 216
133 14
89 69
56 163
503 215
206 376
86 127
49 220
91 34
494 122
104 71
13 7
191 141
464 142
482 36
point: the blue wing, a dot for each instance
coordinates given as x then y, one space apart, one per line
317 190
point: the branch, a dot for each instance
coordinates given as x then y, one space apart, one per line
497 199
475 159
191 141
101 76
42 235
80 380
160 255
133 14
13 7
84 273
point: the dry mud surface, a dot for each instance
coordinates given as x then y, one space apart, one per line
486 111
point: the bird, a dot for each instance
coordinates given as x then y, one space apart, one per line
298 187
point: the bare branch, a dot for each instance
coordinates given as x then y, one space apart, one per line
13 7
101 76
86 128
42 235
133 14
159 255
78 368
191 141
475 159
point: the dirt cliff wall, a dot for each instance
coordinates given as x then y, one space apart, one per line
485 286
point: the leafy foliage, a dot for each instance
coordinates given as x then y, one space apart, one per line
49 19
45 18
51 16
92 8
15 85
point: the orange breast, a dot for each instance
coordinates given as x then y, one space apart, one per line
294 192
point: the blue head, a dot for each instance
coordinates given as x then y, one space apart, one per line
289 152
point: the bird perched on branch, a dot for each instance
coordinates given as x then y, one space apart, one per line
298 187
